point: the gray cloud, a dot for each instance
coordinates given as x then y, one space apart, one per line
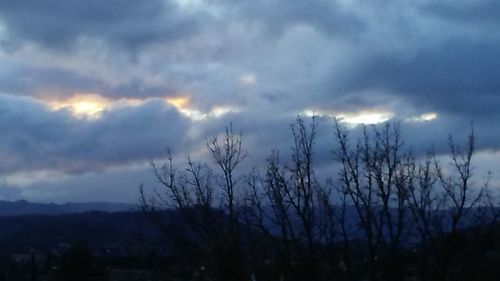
104 186
36 139
405 57
60 23
60 83
458 76
276 16
465 12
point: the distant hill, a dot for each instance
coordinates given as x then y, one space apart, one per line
22 207
103 231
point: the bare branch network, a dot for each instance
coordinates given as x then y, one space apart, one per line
383 215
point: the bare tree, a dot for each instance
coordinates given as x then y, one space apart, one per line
385 215
285 203
377 176
459 203
212 231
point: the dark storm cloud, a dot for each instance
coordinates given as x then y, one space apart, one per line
458 76
465 12
278 15
111 186
59 23
58 83
53 81
403 57
36 139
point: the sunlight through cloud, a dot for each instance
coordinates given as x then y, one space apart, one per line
367 117
82 105
179 102
90 106
248 79
429 116
183 105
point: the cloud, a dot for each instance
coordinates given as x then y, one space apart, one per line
447 77
35 138
276 16
465 12
61 24
256 63
53 82
120 185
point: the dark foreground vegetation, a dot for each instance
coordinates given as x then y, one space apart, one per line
84 246
380 213
384 214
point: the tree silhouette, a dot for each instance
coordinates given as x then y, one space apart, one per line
384 214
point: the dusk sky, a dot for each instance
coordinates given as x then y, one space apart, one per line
91 90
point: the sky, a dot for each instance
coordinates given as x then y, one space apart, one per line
90 91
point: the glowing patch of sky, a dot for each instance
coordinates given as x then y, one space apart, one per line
183 105
366 117
429 116
90 105
248 79
197 5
